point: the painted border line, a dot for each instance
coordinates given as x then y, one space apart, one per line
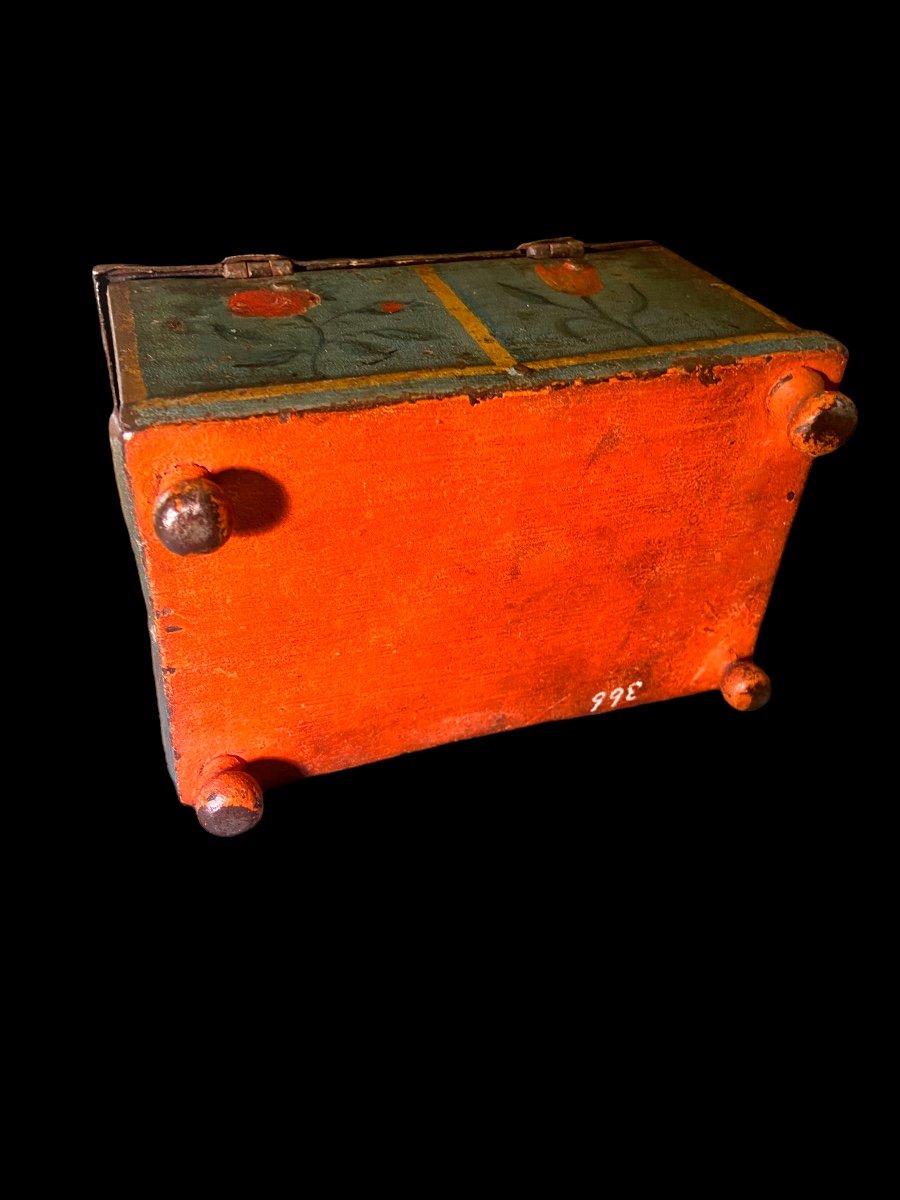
473 326
358 382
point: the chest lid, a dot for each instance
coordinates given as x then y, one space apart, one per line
263 333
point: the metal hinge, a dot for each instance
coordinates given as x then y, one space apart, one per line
255 266
563 247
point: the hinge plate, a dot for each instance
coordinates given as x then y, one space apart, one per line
562 247
256 266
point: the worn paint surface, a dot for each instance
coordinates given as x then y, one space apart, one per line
478 382
202 348
410 574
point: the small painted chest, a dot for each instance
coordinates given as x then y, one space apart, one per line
382 505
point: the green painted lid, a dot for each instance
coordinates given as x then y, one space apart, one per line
206 347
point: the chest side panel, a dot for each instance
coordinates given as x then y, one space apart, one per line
413 574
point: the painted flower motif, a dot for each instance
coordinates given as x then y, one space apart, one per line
272 302
570 276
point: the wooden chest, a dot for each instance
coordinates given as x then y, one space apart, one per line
378 506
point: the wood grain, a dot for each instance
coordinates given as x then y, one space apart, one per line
442 569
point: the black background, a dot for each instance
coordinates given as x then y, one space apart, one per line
686 782
687 891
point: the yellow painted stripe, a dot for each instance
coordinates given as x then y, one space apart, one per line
726 287
322 385
470 323
124 342
760 308
275 391
742 339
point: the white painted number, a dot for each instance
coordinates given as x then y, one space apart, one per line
616 696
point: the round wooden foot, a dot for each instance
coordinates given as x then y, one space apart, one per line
822 423
193 514
746 686
230 801
818 420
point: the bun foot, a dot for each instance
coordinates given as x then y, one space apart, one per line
818 421
745 686
230 801
822 423
192 514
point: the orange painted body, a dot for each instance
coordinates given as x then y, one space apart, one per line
416 573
